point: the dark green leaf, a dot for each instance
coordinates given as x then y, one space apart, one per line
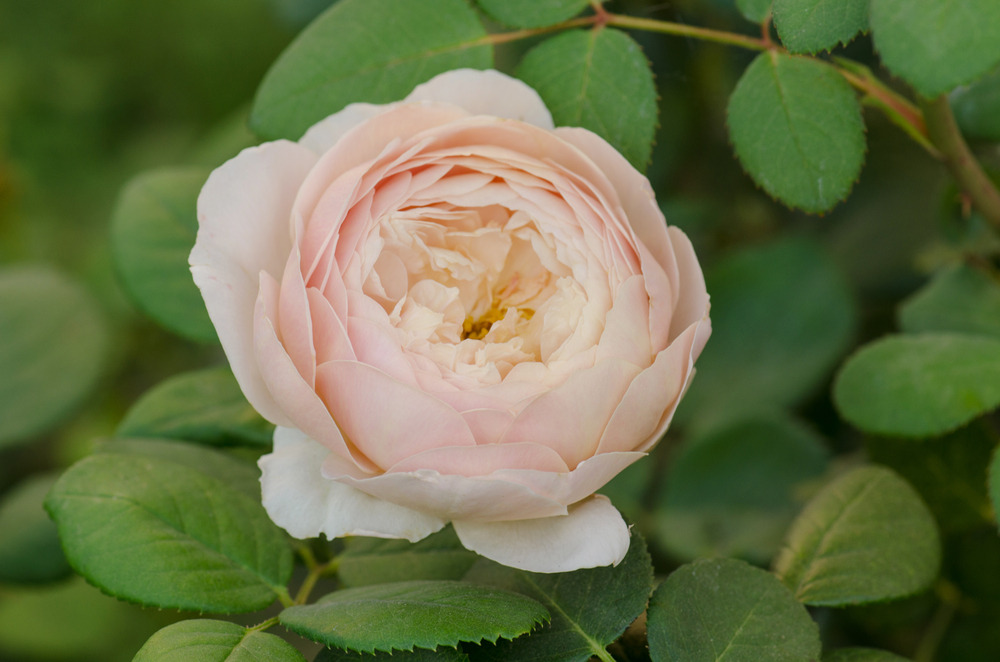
949 472
205 406
735 490
919 386
531 13
590 608
724 610
153 229
29 542
53 350
416 655
809 26
861 655
154 531
782 316
994 483
365 50
977 107
867 537
600 80
426 614
961 298
796 127
377 561
215 641
934 45
754 10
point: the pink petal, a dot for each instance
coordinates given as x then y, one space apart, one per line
244 213
593 534
694 302
626 327
488 425
483 460
485 93
300 500
324 134
385 418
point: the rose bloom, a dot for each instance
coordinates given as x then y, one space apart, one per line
453 312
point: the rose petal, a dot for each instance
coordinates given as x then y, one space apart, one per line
324 134
694 301
593 534
483 460
390 420
626 327
244 213
300 500
486 93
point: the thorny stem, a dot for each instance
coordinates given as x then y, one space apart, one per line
967 171
269 623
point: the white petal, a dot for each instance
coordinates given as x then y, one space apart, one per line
300 500
592 534
324 134
486 93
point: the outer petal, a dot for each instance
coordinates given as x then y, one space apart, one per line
485 93
244 213
592 534
300 500
324 134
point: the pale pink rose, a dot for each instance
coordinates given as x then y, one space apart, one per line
453 312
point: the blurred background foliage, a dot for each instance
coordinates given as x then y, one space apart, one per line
92 94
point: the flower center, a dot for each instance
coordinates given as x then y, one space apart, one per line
477 328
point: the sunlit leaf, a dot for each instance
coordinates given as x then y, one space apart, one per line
207 640
531 13
808 26
867 537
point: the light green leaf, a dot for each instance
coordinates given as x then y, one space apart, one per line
867 537
583 624
206 406
29 542
937 46
861 655
367 561
416 655
977 107
754 10
809 26
153 229
796 127
154 531
206 640
599 80
735 490
422 613
782 316
919 386
365 50
724 610
53 350
961 298
531 13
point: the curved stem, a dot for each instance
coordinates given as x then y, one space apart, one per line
681 30
967 171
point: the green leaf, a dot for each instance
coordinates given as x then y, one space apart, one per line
977 107
590 608
754 10
867 537
735 490
52 354
416 655
367 561
796 127
919 386
783 304
365 50
949 472
158 532
861 655
599 80
29 542
994 483
717 610
809 26
426 614
153 229
531 13
937 46
962 298
206 406
206 640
